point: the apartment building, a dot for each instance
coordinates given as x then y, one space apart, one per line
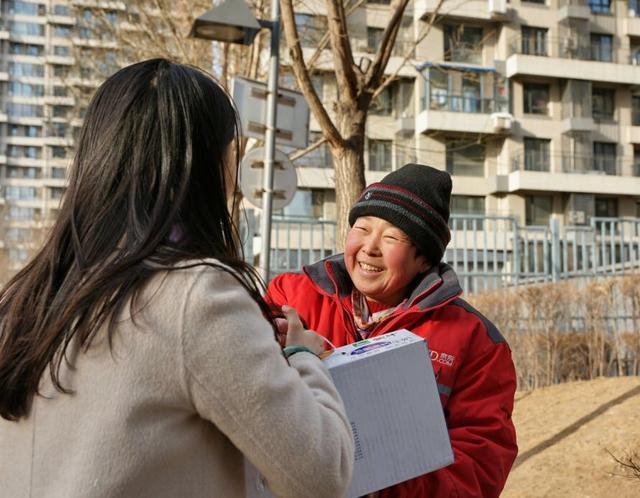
42 88
532 106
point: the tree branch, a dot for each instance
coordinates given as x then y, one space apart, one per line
303 152
342 55
324 41
302 75
425 32
376 71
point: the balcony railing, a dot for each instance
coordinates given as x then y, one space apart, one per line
401 48
569 48
462 103
533 160
573 163
601 165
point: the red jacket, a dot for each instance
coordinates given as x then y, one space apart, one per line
472 362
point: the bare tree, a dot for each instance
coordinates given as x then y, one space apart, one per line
344 127
630 463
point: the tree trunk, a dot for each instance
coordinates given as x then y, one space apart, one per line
348 161
349 180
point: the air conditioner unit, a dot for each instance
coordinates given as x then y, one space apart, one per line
579 209
497 7
576 217
501 121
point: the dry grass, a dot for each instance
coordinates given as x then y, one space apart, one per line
572 330
567 434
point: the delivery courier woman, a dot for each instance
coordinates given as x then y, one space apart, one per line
391 277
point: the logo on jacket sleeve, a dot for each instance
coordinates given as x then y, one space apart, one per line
442 358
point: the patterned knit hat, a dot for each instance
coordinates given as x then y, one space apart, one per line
414 198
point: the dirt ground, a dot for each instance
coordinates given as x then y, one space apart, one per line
565 433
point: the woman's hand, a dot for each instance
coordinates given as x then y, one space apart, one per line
296 333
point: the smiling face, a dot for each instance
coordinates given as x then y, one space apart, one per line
381 260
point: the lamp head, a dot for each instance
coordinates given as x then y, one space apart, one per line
231 21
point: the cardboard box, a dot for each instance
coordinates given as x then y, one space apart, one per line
391 398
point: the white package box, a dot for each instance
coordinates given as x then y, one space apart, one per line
391 398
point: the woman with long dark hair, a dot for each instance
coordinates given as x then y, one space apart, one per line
135 359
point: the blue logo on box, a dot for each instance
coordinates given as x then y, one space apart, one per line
370 347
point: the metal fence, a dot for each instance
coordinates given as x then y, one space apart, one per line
487 252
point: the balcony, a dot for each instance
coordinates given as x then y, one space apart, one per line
567 173
480 104
573 9
574 124
490 10
405 126
567 58
457 113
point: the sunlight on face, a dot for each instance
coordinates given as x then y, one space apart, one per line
381 260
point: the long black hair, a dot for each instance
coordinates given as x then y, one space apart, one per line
152 161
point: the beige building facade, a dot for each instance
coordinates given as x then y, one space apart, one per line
41 91
532 106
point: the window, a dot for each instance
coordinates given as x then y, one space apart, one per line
60 111
536 98
26 28
382 105
600 6
604 158
56 192
601 47
26 8
300 205
26 69
462 91
58 130
468 205
636 159
58 173
374 38
61 51
60 71
311 29
60 91
19 255
24 110
20 193
112 16
61 10
25 151
463 44
534 40
22 172
465 158
58 152
536 154
85 33
317 158
25 90
61 31
538 209
603 103
26 49
25 131
635 110
379 155
606 207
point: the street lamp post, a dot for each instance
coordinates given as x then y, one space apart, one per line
233 22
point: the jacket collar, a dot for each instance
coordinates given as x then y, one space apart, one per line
437 286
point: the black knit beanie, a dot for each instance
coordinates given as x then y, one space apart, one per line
414 198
